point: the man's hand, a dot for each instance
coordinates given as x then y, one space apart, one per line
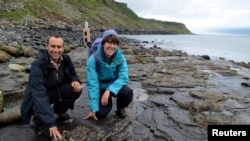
105 98
91 115
54 133
76 86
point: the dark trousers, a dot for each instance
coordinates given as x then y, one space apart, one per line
63 98
123 98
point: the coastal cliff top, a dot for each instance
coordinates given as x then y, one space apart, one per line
100 14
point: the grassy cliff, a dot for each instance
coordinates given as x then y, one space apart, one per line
99 14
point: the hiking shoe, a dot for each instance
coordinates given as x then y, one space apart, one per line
63 117
35 121
35 124
121 113
39 128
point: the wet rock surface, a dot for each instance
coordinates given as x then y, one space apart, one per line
175 97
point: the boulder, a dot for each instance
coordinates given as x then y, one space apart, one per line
3 57
10 115
1 101
16 67
28 51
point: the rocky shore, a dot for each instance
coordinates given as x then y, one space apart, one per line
175 95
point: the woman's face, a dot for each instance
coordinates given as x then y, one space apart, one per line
109 48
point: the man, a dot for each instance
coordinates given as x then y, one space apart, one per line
109 79
52 80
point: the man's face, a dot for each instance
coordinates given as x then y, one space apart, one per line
55 48
109 49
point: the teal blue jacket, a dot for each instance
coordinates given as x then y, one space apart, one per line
108 76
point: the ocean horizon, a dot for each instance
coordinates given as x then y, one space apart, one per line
227 32
229 47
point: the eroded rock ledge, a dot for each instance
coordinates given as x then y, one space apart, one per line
175 96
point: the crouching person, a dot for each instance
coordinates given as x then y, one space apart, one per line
107 77
52 80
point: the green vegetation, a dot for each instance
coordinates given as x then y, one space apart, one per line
17 15
99 14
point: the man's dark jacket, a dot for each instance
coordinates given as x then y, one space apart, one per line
35 100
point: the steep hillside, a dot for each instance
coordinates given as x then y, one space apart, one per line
100 14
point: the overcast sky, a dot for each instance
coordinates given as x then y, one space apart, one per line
200 16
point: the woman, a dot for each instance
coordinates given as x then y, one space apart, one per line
109 79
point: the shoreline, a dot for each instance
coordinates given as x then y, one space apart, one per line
214 46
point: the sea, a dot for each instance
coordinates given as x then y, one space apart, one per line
236 48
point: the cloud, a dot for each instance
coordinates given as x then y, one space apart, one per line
197 15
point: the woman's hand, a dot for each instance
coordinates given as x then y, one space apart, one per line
91 115
105 98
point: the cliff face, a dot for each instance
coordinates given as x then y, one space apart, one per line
100 14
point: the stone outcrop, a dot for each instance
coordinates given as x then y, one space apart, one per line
176 96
